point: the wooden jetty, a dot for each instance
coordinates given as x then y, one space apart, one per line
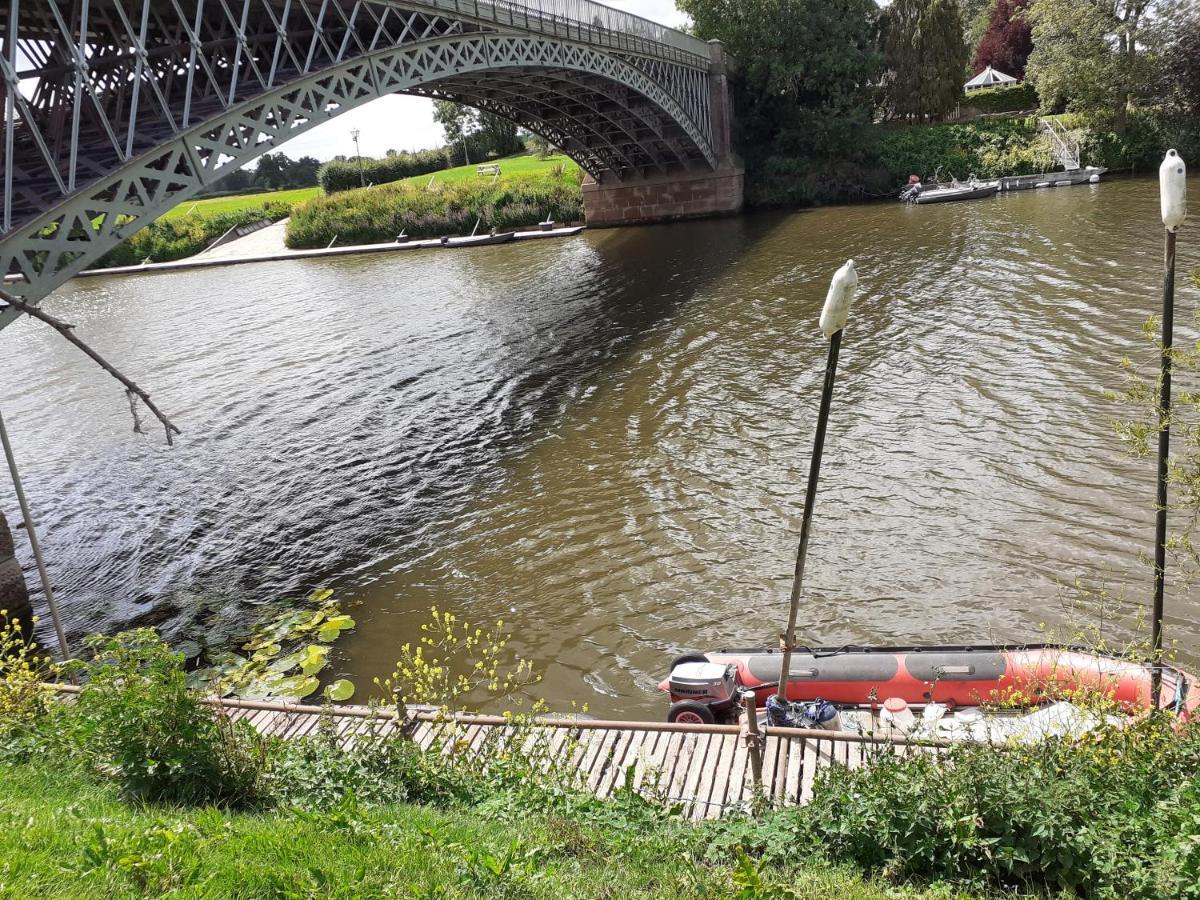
705 769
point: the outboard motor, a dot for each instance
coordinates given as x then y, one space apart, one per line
702 692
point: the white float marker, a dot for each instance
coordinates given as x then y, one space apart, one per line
833 321
1172 185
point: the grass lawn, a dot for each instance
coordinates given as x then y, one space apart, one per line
61 835
512 166
238 202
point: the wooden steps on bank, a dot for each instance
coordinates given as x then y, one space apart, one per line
706 769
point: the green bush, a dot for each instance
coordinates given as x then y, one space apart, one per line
1000 100
379 214
137 718
1114 814
178 238
1147 136
346 175
986 148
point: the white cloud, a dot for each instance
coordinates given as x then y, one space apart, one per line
401 122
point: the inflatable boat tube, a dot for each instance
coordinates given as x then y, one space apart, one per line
959 676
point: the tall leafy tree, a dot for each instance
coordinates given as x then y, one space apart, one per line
1092 55
1007 43
1181 63
802 87
926 57
458 123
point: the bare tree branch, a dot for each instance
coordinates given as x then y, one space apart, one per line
67 331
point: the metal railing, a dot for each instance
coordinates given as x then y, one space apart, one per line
586 21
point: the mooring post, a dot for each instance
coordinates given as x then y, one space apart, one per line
753 739
833 321
1172 180
64 650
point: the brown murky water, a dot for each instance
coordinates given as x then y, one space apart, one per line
604 440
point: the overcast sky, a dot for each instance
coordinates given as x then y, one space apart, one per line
406 123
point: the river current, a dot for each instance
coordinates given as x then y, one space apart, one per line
604 440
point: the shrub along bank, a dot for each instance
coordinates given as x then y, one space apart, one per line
990 148
379 214
348 174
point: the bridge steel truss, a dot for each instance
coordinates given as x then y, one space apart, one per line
117 110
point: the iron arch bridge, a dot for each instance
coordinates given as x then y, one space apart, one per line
117 110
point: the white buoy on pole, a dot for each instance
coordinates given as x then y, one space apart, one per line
1172 186
834 316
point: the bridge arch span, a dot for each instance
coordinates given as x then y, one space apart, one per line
100 141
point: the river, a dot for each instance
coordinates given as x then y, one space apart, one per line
604 440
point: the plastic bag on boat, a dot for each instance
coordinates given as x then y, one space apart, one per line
811 714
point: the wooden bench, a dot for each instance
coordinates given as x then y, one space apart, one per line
492 169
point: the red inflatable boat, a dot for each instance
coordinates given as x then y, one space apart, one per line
953 676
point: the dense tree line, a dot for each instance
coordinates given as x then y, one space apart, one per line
274 172
816 81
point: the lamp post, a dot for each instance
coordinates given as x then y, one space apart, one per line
833 321
1172 183
354 133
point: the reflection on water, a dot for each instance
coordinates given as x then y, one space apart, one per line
604 440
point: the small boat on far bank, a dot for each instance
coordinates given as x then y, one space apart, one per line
949 193
479 240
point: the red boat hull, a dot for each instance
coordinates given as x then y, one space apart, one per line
958 676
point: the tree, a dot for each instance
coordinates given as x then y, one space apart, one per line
925 56
1091 55
976 14
271 171
1181 65
1007 43
457 121
802 89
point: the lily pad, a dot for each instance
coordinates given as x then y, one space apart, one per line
297 687
339 691
313 659
333 628
320 595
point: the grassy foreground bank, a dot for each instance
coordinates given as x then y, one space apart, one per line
64 836
139 789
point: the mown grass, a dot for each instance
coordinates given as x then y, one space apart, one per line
63 835
213 206
511 167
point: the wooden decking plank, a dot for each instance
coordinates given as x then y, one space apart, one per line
716 772
647 762
770 762
603 759
685 752
795 770
736 793
592 743
615 770
696 771
810 771
258 717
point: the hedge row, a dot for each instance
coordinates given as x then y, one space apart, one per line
999 100
381 213
346 175
178 238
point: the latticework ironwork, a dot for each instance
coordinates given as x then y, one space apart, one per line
117 110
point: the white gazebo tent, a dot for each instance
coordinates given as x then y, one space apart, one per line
989 78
